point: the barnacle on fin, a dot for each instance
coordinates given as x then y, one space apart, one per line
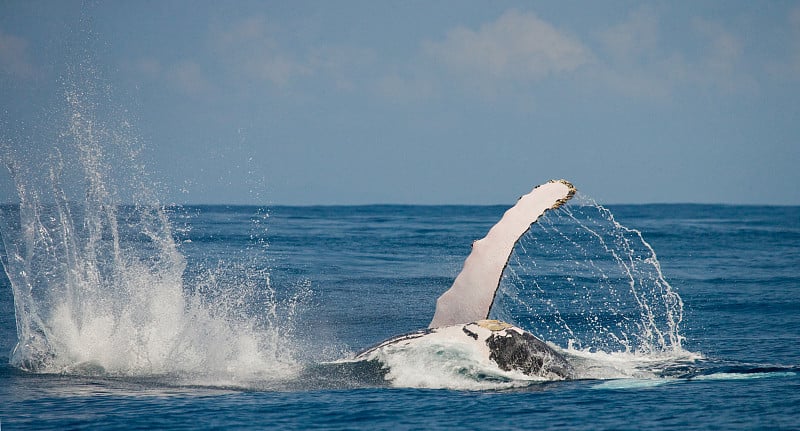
493 325
569 196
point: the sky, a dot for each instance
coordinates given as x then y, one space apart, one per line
422 102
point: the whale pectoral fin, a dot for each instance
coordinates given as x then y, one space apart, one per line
470 297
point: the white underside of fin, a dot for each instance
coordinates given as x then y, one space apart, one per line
472 293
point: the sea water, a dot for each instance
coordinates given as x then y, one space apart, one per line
118 311
366 273
338 279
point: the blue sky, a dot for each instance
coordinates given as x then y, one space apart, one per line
429 102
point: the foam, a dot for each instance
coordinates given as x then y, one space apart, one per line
442 365
621 384
600 365
745 376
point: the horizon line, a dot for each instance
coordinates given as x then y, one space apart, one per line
311 205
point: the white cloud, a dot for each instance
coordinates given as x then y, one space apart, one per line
721 64
397 88
633 62
630 61
188 77
149 67
251 49
276 69
517 46
346 66
787 66
250 56
250 29
185 76
637 62
14 58
794 20
264 52
633 38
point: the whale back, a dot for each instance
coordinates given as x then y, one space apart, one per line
470 297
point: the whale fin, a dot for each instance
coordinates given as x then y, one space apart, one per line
472 293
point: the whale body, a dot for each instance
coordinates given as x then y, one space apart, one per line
462 312
503 345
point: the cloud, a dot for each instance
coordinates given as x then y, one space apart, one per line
636 62
14 58
794 21
273 55
347 67
149 67
251 49
721 65
250 57
398 88
631 60
794 18
517 46
786 65
636 37
278 70
188 77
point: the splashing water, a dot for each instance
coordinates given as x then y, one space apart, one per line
582 281
101 287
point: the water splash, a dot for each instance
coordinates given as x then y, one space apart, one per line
592 288
102 287
585 282
456 366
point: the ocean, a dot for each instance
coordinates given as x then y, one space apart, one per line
120 311
243 317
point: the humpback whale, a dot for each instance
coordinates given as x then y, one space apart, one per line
462 312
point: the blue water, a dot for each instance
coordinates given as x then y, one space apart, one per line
343 278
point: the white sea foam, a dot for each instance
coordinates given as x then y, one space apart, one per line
463 366
442 365
745 376
618 384
591 364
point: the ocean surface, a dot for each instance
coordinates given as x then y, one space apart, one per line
236 317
